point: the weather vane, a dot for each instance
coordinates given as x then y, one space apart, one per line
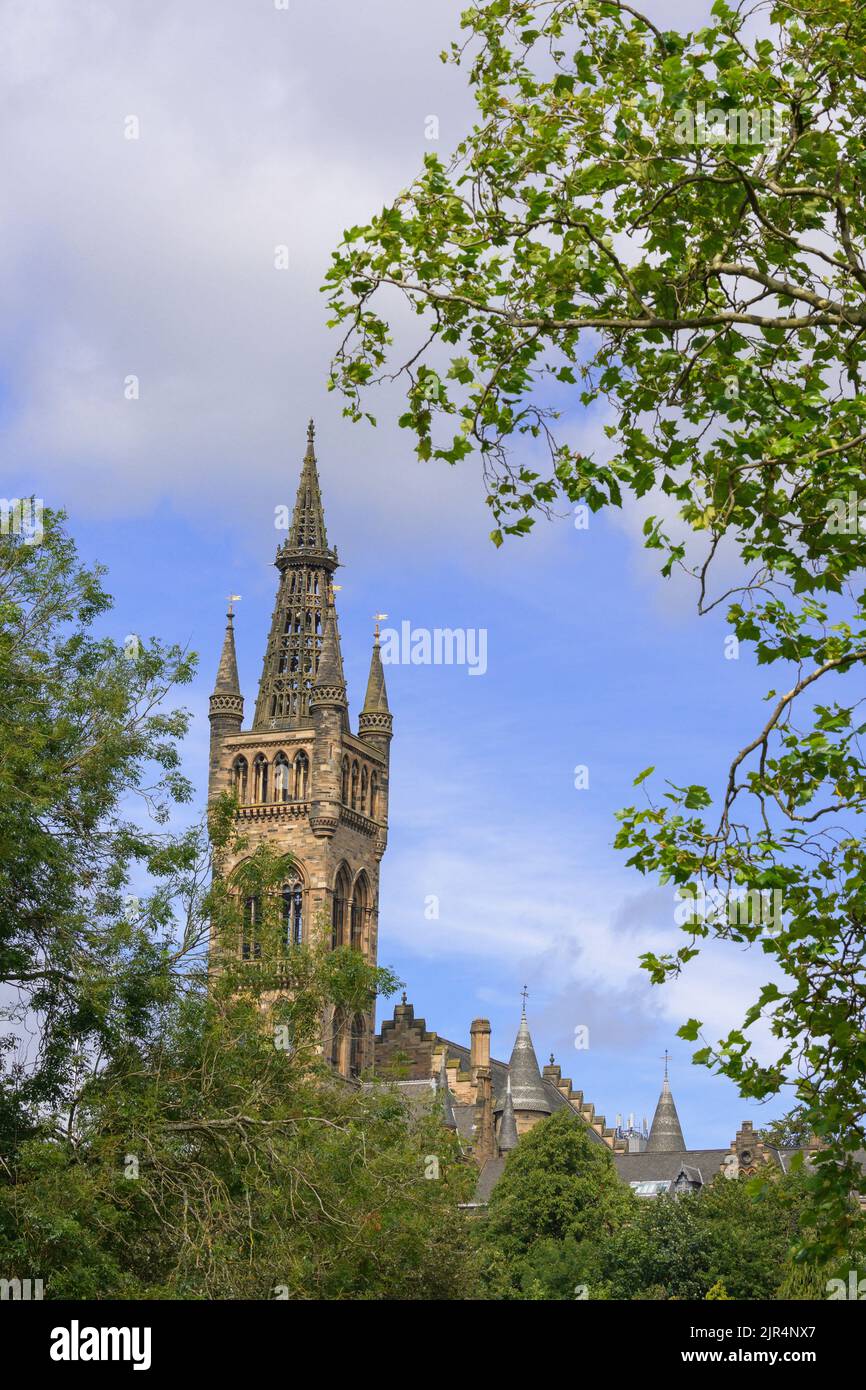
378 618
668 1057
233 599
524 993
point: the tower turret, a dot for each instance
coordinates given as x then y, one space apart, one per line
528 1095
328 715
307 786
666 1135
508 1123
226 708
376 727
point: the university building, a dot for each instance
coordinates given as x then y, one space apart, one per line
311 786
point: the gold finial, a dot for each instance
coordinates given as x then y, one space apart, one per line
232 600
332 590
378 618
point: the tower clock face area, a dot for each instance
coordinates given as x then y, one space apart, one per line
306 783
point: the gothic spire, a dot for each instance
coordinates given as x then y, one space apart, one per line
375 723
376 699
227 682
306 566
508 1123
527 1087
666 1136
307 531
226 701
330 668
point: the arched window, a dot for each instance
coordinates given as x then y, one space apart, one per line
356 1046
293 913
302 776
251 943
354 802
339 908
364 780
338 1029
344 792
374 796
239 779
260 778
360 904
282 778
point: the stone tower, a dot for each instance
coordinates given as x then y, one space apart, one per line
305 783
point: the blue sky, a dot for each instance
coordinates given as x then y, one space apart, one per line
155 257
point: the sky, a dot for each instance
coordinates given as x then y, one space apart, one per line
262 125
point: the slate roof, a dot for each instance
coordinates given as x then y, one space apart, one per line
666 1167
488 1178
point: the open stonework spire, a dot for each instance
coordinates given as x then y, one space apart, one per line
666 1136
306 566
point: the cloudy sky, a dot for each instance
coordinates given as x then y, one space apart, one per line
261 127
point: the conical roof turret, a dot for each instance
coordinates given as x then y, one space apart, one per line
226 701
666 1135
527 1087
508 1123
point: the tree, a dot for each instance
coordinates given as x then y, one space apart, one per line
83 730
733 1239
558 1190
672 224
212 1154
178 1135
788 1132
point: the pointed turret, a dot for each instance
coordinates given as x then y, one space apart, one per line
306 565
330 683
376 699
445 1093
375 723
527 1087
665 1136
227 682
508 1123
226 705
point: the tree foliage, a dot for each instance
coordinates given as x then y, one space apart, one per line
177 1135
561 1225
557 1191
84 735
669 227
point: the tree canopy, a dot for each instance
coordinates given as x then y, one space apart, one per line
665 231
